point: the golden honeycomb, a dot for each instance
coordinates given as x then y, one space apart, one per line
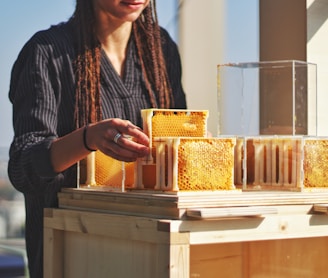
111 172
315 162
178 123
190 164
202 164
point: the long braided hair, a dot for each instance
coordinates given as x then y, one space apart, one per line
87 64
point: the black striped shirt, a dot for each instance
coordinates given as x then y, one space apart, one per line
42 93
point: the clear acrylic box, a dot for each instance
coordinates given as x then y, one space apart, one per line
267 98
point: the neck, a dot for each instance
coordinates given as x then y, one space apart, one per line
114 37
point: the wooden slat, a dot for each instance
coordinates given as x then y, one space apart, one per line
174 205
321 208
206 213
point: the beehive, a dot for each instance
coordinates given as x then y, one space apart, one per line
102 171
269 162
194 163
166 123
293 163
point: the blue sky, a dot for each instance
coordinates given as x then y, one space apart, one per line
20 19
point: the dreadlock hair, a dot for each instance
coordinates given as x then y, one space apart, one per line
146 29
87 63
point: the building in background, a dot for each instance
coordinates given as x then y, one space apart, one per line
232 31
214 33
317 52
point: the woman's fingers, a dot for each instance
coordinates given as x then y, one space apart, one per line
127 146
127 129
120 139
121 152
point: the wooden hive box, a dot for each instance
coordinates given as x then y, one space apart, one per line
101 171
189 164
293 163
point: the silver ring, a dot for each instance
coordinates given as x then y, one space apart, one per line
117 136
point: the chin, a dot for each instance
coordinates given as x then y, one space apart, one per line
131 17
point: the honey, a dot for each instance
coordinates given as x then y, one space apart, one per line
316 162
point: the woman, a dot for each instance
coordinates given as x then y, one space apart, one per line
77 87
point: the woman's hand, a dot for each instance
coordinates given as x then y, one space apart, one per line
118 138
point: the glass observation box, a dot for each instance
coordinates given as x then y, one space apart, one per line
267 98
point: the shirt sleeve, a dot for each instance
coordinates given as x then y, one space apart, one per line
173 65
34 118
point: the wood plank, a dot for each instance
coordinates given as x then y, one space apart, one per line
116 226
53 253
321 208
174 205
270 227
217 260
104 256
301 258
232 212
124 208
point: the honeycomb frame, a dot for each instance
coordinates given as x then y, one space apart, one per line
284 163
194 164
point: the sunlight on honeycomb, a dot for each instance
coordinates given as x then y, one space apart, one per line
179 124
205 164
109 171
315 163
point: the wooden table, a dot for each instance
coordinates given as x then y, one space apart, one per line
140 234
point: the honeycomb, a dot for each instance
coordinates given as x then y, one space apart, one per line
315 163
205 164
111 172
171 123
194 163
178 123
